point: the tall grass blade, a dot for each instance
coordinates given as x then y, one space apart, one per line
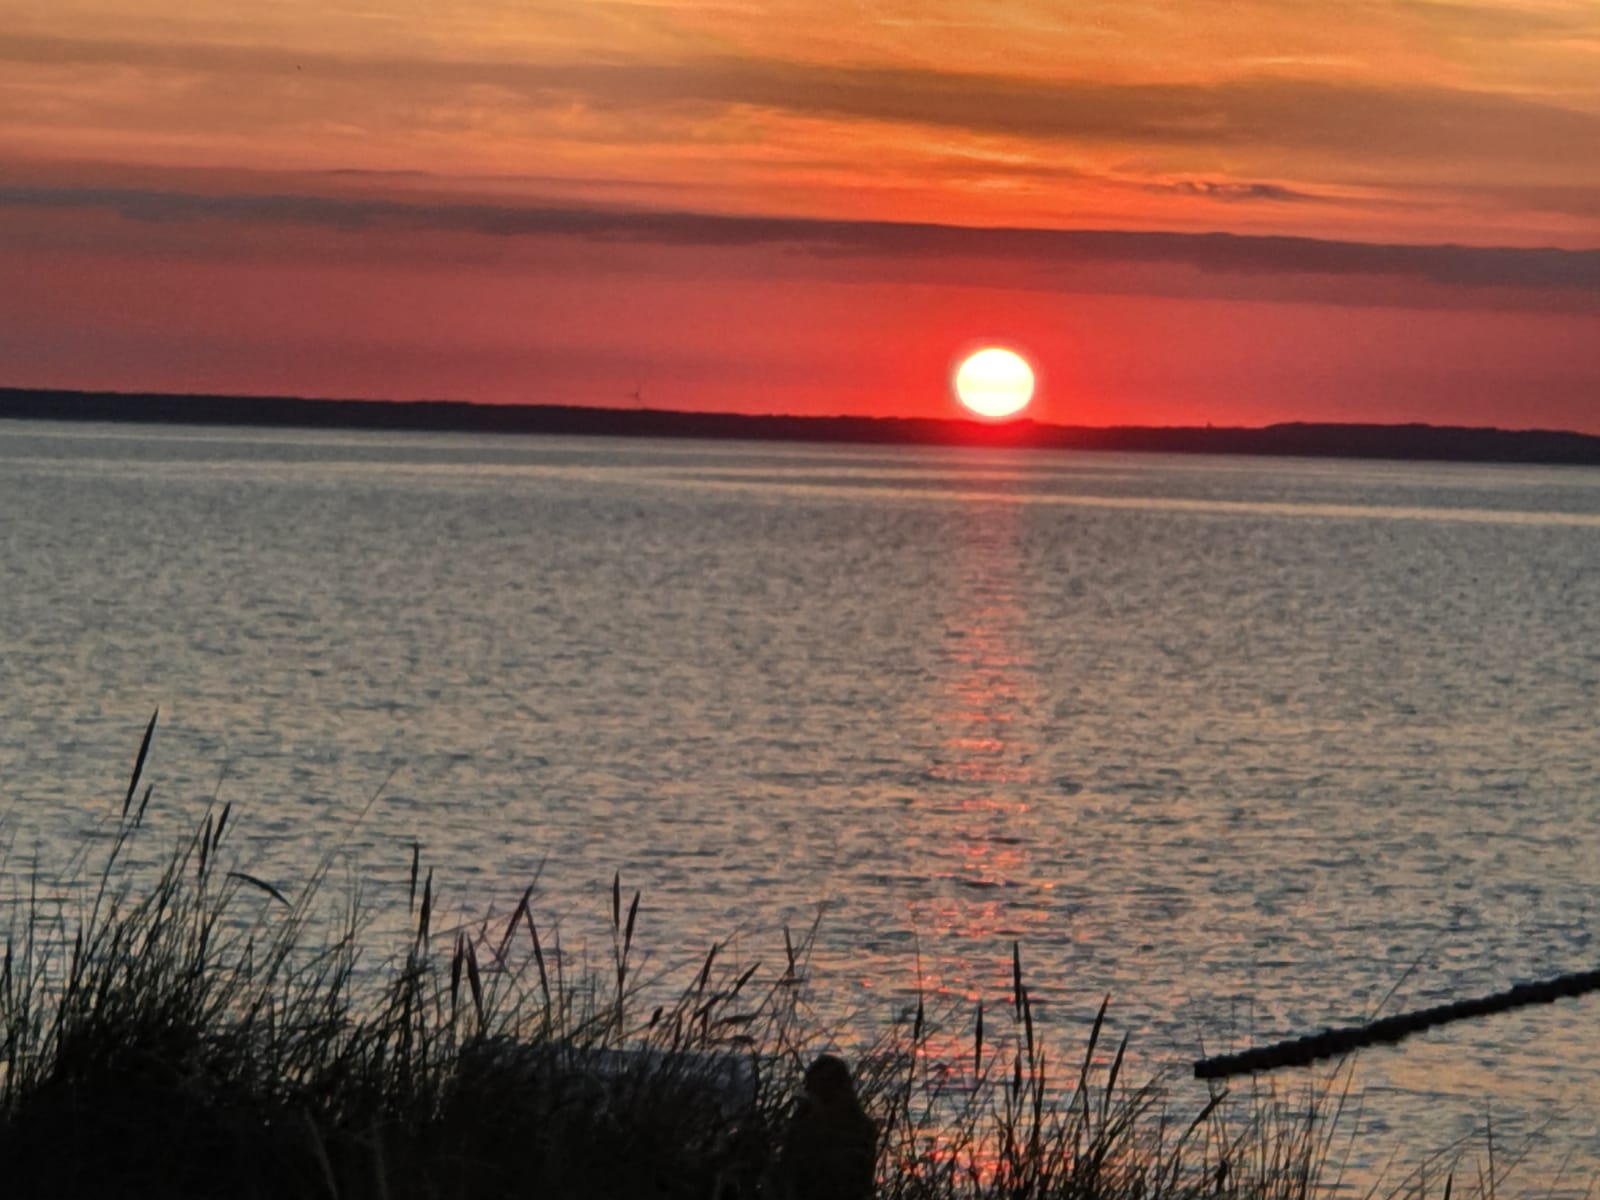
511 924
138 763
266 887
1205 1115
977 1047
705 969
205 848
456 959
633 915
1088 1054
1027 1021
416 862
427 909
475 983
1111 1080
538 957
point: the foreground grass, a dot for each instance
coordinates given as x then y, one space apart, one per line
195 1032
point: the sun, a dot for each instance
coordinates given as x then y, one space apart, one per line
994 382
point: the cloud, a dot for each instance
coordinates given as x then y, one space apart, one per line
1268 111
1498 22
1363 119
1453 266
1232 190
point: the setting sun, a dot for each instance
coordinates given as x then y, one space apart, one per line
994 382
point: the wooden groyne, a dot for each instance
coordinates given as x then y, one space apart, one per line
1333 1043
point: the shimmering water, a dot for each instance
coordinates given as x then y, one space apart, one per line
1248 744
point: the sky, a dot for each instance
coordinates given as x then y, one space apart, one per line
1181 211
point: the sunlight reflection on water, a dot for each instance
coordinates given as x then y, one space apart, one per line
1246 745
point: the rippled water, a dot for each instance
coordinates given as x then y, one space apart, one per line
1248 744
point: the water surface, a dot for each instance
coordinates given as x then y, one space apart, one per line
1254 746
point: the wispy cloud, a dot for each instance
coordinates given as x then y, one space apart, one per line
1306 114
1368 119
1233 190
1214 253
1500 22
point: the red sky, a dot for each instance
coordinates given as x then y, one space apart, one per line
1188 211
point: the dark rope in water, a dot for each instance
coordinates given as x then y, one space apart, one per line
1332 1043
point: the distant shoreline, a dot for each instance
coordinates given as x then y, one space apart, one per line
1444 443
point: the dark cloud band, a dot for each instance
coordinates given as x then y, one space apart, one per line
1449 265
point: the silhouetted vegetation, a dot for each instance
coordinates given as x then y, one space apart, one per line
1302 439
190 1030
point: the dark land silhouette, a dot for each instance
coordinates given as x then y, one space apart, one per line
1303 439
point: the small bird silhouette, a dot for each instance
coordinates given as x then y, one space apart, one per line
830 1149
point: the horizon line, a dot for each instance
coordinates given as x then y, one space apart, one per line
12 392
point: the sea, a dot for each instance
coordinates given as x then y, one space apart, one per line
1242 747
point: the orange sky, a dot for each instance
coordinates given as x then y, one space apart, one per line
1195 211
